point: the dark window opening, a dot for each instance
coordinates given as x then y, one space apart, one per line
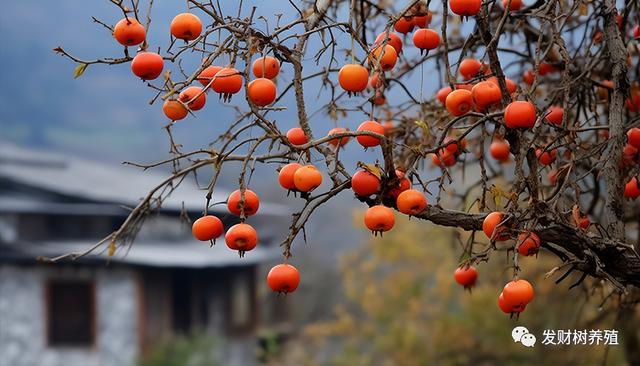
70 313
182 304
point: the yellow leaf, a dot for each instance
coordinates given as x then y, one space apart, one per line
584 10
112 249
497 195
425 126
79 70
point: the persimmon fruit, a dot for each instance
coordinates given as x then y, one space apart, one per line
364 183
492 228
514 6
147 65
379 219
411 202
469 68
453 145
376 81
421 21
241 237
507 308
499 150
459 102
261 91
251 202
129 32
186 26
486 94
465 7
528 77
394 41
194 97
528 243
307 178
386 56
518 293
443 93
546 157
283 278
443 159
174 110
426 39
631 189
403 184
555 115
353 78
370 126
466 276
520 114
207 228
340 141
266 67
285 176
208 73
227 81
404 25
296 136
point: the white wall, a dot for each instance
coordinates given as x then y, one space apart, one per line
23 323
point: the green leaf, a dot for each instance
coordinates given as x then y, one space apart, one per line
79 70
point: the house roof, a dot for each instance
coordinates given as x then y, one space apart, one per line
184 254
37 179
97 182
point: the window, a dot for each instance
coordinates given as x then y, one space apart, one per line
70 313
242 317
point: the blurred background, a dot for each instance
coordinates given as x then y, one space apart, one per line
169 300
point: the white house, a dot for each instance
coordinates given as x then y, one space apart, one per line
111 311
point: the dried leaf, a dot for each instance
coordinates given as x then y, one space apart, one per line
497 193
79 70
112 249
371 168
254 45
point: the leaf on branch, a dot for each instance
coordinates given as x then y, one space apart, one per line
497 193
424 125
79 70
371 168
333 111
254 45
112 249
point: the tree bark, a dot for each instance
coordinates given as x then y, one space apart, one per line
600 257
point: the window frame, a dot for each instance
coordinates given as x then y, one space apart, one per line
49 316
